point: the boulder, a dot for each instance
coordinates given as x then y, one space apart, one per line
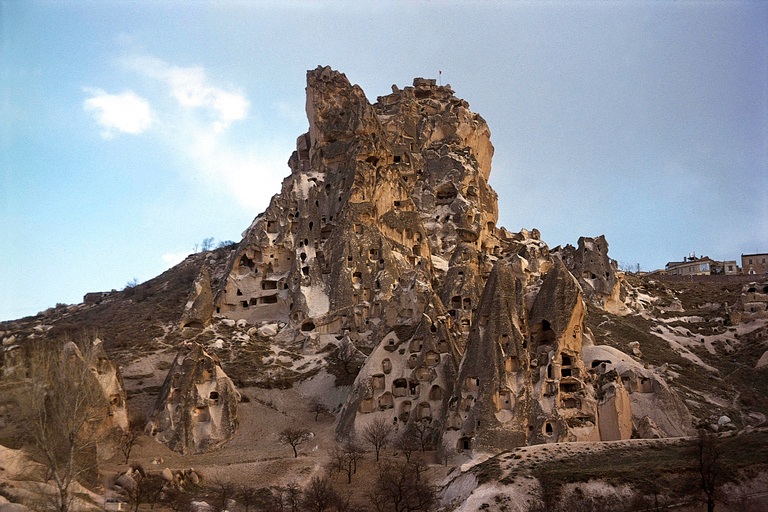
267 330
763 361
646 428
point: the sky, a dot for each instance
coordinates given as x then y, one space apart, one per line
132 130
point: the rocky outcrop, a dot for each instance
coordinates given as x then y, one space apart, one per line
752 303
199 307
196 410
656 409
614 409
384 235
111 382
596 273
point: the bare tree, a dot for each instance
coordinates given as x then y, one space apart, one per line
423 432
60 411
709 465
345 354
256 499
320 496
402 487
345 458
291 496
147 489
131 437
407 444
317 407
177 499
378 434
294 437
222 492
207 244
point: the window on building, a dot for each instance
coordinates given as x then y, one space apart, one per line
750 261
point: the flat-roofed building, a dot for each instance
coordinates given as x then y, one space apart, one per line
690 266
754 263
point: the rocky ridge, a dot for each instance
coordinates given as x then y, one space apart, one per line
384 235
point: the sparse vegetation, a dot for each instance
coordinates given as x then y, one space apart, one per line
132 435
317 407
294 437
378 434
60 409
402 487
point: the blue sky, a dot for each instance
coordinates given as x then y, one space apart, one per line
130 131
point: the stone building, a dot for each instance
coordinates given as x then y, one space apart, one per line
690 266
754 263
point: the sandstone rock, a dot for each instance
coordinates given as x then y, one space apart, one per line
649 394
13 507
199 307
196 410
752 304
267 330
723 420
111 381
646 428
763 361
614 412
595 271
384 235
167 475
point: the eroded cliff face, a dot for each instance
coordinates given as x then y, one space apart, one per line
196 410
385 234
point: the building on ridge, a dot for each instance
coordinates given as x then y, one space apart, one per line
754 263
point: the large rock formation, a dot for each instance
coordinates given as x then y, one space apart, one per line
385 234
596 273
196 410
111 382
199 306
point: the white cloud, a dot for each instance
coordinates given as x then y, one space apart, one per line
118 113
173 258
193 116
251 175
191 88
